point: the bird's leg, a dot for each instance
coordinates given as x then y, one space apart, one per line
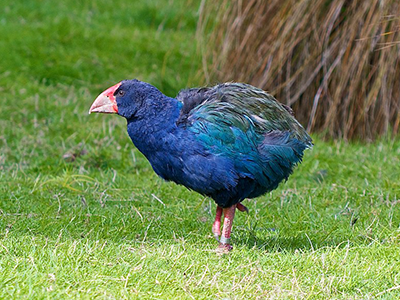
216 229
229 214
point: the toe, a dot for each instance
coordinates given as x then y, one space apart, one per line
224 248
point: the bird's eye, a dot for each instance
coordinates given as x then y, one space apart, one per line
120 93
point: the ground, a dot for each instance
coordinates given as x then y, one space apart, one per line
82 215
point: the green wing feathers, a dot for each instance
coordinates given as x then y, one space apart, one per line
241 106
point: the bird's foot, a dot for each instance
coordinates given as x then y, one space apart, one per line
216 234
242 208
224 248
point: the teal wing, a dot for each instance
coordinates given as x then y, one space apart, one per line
242 106
248 126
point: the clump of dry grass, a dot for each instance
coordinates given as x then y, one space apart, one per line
337 63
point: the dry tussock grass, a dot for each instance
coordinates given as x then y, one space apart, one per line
336 62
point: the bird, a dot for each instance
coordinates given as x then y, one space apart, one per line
230 142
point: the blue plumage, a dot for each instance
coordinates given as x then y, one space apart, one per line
230 142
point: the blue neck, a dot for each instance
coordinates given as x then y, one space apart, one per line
149 132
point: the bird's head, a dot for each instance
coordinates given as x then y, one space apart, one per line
127 98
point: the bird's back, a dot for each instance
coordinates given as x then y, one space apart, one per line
258 138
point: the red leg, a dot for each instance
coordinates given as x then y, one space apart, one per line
229 214
216 229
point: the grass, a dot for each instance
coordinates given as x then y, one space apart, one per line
337 63
82 215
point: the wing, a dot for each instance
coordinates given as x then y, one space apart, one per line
238 105
247 125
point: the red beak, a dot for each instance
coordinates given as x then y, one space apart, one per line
105 102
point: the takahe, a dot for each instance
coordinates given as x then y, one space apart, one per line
230 142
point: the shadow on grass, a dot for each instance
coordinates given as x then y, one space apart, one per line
272 241
289 244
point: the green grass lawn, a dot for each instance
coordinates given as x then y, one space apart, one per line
82 215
